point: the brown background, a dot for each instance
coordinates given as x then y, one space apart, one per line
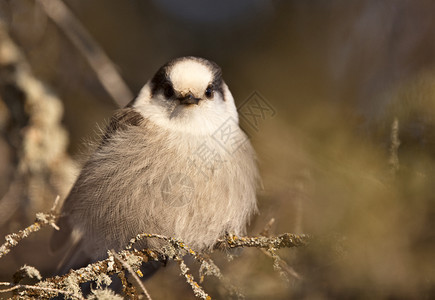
336 74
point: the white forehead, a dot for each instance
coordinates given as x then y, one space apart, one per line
190 75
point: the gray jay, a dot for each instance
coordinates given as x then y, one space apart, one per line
172 162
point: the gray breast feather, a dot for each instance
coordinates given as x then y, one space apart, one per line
145 179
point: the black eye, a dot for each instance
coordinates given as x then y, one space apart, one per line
209 92
168 91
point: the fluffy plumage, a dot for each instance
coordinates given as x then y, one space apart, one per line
128 185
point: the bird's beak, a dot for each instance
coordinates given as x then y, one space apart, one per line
189 99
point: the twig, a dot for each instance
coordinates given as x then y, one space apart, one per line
394 147
281 265
97 58
278 264
55 204
266 229
180 249
130 270
285 240
128 289
142 236
42 219
208 267
197 289
14 287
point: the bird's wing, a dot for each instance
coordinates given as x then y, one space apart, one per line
67 236
62 236
121 120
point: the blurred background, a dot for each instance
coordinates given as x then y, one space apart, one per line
345 139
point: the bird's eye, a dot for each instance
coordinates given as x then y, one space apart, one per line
209 92
168 91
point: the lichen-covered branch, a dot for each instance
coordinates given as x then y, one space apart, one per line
35 165
12 239
13 287
133 274
42 219
285 240
131 260
197 289
281 265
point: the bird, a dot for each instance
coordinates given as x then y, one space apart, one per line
173 162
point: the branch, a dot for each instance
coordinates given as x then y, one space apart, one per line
129 269
97 58
14 287
285 240
197 289
394 147
42 219
278 264
132 259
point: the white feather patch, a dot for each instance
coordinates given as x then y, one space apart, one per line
202 119
190 76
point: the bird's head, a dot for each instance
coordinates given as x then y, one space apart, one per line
188 93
